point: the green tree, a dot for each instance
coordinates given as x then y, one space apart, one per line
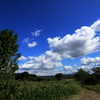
8 51
96 74
81 75
59 76
25 76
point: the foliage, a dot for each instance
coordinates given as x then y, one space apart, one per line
81 75
8 88
25 76
93 87
29 90
88 78
96 74
8 51
47 90
59 76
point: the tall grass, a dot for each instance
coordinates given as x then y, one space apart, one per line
52 90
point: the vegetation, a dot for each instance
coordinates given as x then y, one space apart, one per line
8 63
88 78
52 90
93 87
8 52
25 86
59 76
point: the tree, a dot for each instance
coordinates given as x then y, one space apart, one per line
25 76
81 75
96 74
8 51
59 76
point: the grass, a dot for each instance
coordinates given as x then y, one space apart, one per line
44 90
53 90
93 87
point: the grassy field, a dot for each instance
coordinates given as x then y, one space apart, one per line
53 90
44 90
88 92
48 90
93 87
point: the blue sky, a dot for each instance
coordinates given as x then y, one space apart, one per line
54 35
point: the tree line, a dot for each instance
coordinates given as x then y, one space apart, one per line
91 77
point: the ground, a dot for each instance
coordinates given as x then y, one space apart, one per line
86 95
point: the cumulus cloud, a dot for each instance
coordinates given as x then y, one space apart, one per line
96 25
67 68
47 61
80 43
36 33
88 61
86 67
23 58
32 44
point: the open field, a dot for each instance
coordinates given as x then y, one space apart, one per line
48 90
44 90
53 90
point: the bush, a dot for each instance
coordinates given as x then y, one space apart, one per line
8 89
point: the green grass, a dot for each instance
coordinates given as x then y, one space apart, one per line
93 87
44 90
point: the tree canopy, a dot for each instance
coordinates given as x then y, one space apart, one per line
8 51
88 78
59 76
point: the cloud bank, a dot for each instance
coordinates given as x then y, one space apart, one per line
80 43
95 62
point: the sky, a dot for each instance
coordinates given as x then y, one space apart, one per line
55 36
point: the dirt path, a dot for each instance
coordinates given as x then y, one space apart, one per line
86 95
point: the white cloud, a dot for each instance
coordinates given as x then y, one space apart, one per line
26 40
32 44
87 67
30 57
45 61
68 68
96 25
36 33
88 61
23 58
80 43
